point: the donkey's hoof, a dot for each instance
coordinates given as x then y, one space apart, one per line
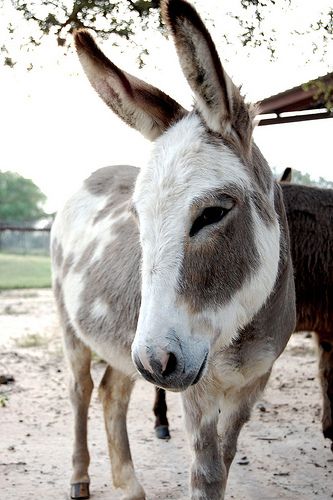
80 490
162 432
141 496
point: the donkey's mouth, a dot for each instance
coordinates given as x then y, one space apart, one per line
175 382
200 372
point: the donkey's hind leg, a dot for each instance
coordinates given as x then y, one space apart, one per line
160 412
115 391
325 345
80 389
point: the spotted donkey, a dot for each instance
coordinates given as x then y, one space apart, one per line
202 227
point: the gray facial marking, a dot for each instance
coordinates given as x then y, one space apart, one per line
205 278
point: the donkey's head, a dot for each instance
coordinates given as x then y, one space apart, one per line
204 205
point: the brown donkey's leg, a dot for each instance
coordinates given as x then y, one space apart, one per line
160 412
115 390
80 389
325 348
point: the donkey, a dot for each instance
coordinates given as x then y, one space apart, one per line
180 272
310 217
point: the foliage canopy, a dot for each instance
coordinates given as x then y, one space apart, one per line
58 18
21 199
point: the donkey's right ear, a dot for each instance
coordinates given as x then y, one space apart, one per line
287 175
139 104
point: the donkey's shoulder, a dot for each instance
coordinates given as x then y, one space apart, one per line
111 180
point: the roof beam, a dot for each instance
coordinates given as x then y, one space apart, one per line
294 118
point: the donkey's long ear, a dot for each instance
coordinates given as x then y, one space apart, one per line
287 175
139 104
218 99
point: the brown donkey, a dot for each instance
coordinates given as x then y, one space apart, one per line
180 272
310 219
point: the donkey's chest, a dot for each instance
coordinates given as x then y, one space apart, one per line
233 370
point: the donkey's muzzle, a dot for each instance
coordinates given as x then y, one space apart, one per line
168 369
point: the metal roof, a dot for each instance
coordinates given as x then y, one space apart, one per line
304 102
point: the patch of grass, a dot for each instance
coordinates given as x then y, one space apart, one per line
32 340
24 271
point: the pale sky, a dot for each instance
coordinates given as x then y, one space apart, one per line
55 130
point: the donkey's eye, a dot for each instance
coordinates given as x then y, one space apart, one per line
210 215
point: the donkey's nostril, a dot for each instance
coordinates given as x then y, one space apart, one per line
170 366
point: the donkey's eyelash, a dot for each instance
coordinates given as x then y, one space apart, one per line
209 216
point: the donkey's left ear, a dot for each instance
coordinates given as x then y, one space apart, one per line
217 98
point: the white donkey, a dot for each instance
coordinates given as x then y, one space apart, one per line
181 271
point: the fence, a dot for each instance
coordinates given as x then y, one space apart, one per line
24 240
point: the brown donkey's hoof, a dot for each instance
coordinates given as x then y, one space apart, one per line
80 490
162 432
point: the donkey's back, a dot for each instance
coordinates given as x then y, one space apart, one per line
310 219
96 258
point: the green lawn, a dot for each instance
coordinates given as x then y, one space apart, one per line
24 271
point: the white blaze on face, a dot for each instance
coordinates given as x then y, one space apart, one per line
184 166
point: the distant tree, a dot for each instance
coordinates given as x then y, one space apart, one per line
20 199
299 177
324 183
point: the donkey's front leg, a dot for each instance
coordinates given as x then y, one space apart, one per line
208 472
235 412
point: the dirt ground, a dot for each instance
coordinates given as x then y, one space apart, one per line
286 455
